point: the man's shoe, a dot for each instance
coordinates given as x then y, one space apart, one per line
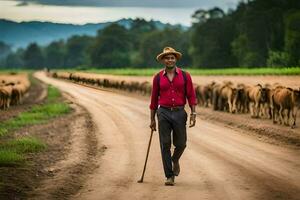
170 181
176 168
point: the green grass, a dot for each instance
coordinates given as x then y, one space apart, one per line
12 152
25 145
129 71
37 115
32 80
10 157
53 93
193 71
9 70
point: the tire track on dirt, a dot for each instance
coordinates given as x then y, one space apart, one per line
69 173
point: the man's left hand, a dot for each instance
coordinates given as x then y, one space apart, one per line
192 120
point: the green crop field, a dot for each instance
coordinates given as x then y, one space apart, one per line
203 72
150 71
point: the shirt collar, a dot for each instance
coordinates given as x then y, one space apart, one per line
176 71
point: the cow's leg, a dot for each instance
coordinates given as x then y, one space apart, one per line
234 109
230 105
251 108
260 110
287 117
238 108
245 106
275 114
254 109
6 103
220 106
270 112
257 107
294 115
1 102
266 111
281 121
202 100
206 101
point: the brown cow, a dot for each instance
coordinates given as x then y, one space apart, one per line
204 94
18 92
242 101
256 94
285 99
5 95
215 96
266 107
296 105
145 88
227 98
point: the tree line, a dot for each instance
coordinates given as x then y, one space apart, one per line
258 33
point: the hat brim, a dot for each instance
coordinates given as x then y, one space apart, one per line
178 55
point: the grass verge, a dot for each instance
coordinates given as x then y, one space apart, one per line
203 72
24 145
37 114
10 157
12 151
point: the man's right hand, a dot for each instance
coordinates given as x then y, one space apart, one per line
153 125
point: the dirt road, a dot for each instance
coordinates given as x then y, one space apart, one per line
219 162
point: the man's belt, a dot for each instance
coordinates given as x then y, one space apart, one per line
173 108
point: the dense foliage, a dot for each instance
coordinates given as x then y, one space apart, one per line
257 33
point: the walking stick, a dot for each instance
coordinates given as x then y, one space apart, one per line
142 178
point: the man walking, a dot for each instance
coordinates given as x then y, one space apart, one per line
171 87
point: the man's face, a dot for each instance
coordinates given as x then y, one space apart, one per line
169 60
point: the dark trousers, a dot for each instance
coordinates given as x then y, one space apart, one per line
171 123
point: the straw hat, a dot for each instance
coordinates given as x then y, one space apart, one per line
168 50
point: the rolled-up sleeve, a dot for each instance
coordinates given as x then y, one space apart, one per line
190 93
154 94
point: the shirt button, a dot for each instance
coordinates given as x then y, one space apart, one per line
172 90
172 99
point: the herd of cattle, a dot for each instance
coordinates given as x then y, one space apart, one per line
275 101
13 87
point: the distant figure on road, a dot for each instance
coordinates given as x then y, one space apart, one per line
171 87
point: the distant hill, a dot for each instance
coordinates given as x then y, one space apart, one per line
21 34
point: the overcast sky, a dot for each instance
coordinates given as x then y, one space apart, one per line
94 11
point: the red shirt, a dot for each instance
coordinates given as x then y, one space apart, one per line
172 93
